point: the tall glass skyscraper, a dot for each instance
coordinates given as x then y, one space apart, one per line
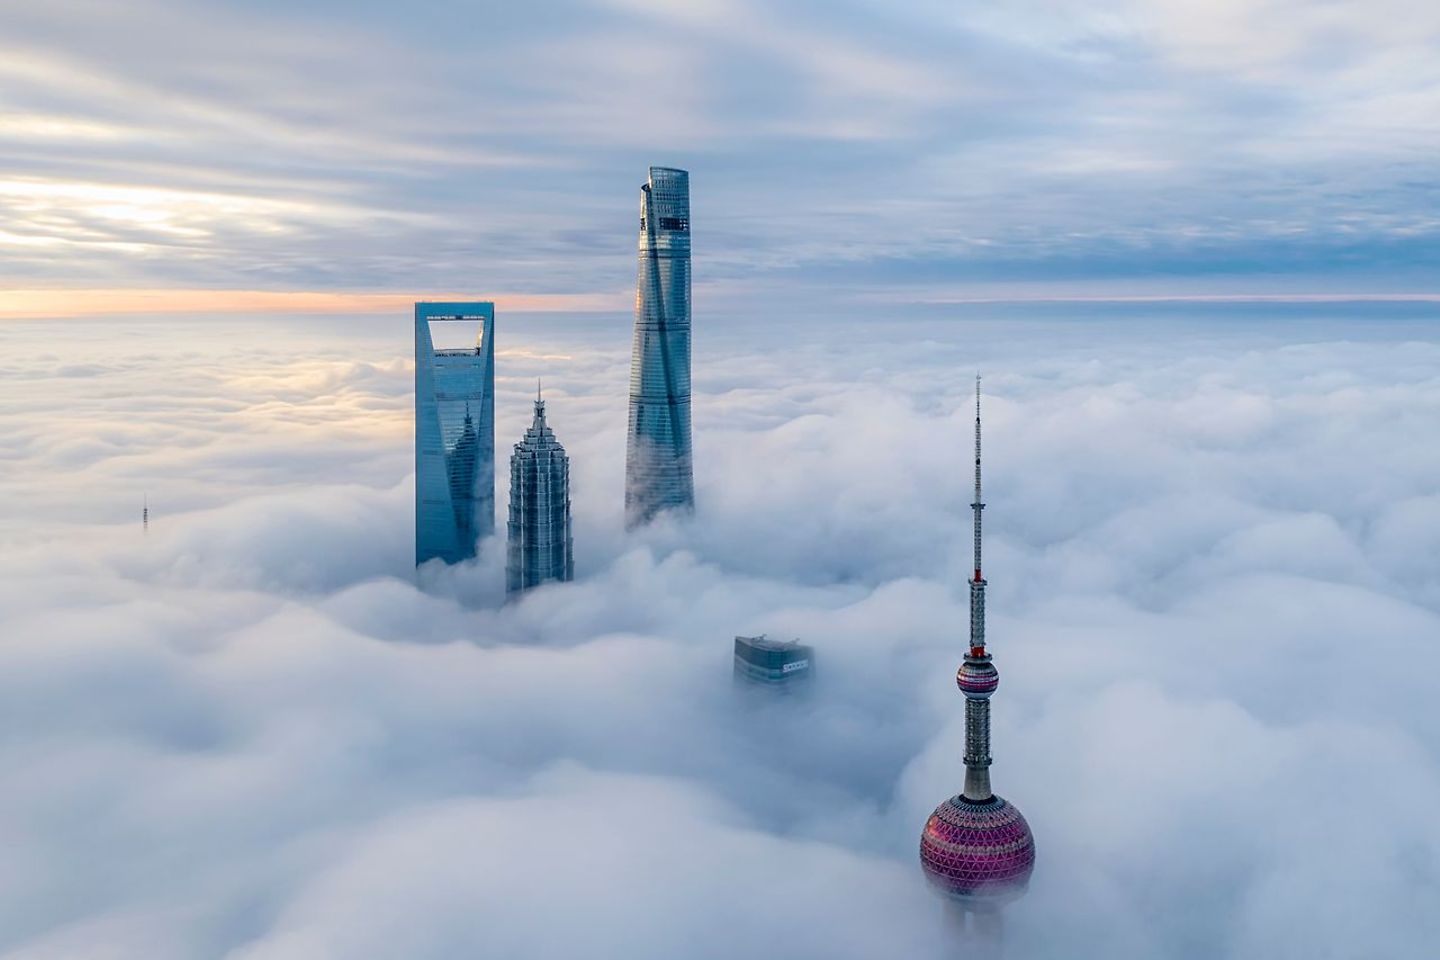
658 474
454 434
540 547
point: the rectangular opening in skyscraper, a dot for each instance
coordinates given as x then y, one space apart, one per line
460 334
454 429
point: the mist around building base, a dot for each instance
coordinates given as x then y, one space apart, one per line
256 732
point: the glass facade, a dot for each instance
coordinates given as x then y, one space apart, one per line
658 473
769 662
540 545
454 434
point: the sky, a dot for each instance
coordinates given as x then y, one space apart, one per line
254 733
846 156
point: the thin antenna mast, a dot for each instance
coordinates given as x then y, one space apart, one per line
979 504
977 585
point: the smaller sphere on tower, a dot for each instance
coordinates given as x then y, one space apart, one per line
977 677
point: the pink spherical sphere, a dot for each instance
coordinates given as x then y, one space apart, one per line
981 853
977 678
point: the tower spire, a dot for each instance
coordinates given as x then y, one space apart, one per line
977 675
977 584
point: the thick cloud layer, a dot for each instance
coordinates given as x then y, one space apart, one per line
251 734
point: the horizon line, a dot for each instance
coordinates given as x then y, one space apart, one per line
1192 298
43 304
58 304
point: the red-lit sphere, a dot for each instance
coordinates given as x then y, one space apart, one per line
977 678
977 852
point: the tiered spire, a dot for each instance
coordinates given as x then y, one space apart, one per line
977 676
540 547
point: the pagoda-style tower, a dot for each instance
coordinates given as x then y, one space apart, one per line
540 546
977 850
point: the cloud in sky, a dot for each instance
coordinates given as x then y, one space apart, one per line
1125 147
251 734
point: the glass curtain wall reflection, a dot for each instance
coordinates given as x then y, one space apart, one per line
454 434
658 472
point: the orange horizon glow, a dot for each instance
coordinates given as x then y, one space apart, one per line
46 304
1192 298
62 304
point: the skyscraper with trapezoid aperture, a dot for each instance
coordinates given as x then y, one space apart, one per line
540 547
454 431
658 471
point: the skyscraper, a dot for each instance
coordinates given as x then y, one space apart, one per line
454 434
541 547
657 453
976 849
773 663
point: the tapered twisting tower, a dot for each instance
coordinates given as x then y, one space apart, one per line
658 473
977 850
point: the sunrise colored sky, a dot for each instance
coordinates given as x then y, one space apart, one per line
840 151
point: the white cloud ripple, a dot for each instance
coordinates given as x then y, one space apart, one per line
250 735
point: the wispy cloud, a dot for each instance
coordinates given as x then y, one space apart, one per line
334 148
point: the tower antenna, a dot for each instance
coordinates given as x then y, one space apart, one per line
977 584
978 504
145 513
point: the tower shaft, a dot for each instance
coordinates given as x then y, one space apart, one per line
977 750
978 668
980 929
